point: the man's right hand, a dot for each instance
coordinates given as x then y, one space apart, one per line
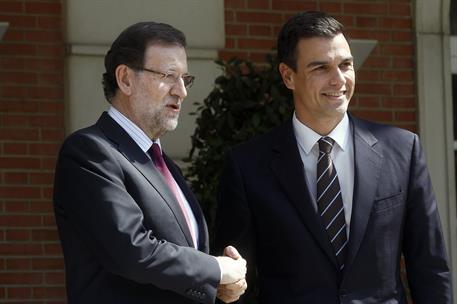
232 265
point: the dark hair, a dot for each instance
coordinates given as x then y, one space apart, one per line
304 25
130 46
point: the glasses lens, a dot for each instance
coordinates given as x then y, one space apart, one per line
188 80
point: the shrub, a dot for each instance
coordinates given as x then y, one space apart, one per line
246 101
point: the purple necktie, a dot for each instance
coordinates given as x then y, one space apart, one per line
162 166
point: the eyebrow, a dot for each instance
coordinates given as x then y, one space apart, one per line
317 63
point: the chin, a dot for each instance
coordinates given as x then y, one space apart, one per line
171 125
342 110
343 107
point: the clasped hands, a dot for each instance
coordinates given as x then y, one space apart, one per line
233 280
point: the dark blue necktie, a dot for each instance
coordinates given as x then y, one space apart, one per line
330 200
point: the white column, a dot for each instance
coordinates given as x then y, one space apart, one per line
435 111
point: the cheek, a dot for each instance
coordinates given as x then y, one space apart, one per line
159 95
351 86
153 100
315 86
350 78
306 84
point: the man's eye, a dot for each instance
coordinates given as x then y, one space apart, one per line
346 64
171 77
321 68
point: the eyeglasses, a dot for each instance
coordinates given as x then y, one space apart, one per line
171 79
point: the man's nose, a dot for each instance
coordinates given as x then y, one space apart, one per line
337 77
179 89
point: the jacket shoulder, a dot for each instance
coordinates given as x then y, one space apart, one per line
383 132
262 143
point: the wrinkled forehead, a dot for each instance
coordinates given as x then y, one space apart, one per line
169 56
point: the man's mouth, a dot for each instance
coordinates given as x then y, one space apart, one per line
335 94
174 106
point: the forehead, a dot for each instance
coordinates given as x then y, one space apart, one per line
165 56
323 49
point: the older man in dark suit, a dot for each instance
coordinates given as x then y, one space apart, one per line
327 203
131 230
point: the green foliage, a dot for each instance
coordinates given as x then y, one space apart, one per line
246 101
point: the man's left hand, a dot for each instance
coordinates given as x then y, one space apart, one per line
231 292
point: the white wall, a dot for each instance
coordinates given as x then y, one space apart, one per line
454 55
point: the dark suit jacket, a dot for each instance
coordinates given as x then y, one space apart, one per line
124 237
267 212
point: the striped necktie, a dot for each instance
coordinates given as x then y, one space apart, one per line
330 201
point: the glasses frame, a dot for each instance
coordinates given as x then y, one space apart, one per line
187 79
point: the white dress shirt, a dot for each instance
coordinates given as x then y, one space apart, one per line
342 156
145 143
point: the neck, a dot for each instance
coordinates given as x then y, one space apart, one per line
322 126
122 106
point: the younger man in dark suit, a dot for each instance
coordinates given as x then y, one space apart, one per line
327 203
131 229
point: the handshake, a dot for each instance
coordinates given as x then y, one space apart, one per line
233 275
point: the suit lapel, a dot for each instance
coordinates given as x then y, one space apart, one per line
192 200
127 146
367 165
288 168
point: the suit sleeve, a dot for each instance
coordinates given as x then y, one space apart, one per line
424 248
91 196
234 222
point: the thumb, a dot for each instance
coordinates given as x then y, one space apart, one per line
231 252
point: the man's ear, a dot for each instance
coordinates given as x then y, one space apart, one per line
287 75
124 79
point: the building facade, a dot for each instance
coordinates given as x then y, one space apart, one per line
51 61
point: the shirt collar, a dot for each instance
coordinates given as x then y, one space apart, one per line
135 132
307 138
